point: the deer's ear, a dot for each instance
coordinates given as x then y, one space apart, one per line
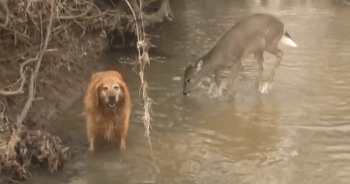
199 65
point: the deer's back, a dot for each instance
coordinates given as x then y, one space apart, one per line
248 35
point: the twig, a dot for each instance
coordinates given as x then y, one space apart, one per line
3 4
21 67
20 54
141 16
100 15
16 33
137 27
19 90
75 16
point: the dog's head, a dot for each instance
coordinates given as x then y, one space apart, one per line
109 94
106 90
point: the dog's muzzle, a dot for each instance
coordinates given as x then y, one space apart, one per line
112 100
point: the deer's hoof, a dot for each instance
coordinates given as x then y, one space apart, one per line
265 88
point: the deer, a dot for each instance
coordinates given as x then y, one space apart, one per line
254 34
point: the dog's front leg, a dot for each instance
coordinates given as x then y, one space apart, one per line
90 134
92 144
124 131
123 139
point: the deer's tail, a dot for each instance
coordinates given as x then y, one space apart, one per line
286 39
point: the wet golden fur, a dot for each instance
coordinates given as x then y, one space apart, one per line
108 106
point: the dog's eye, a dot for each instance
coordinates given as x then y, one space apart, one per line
104 88
188 80
116 87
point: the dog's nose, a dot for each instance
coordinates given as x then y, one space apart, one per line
111 97
185 93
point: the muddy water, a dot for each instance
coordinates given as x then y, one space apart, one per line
298 133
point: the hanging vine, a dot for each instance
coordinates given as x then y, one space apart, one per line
143 45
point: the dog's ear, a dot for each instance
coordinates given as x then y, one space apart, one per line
91 100
124 92
199 65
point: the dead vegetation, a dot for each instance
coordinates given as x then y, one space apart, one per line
36 34
20 148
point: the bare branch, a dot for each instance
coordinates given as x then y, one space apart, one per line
29 102
76 16
164 11
20 54
3 5
19 90
31 95
133 13
27 62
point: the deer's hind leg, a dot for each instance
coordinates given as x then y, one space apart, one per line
279 54
272 39
271 47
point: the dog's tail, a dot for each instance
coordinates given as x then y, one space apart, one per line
286 39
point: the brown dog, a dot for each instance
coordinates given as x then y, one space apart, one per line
108 107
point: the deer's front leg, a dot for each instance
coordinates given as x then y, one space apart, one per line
260 60
232 76
218 82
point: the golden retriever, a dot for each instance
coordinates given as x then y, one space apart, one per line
107 106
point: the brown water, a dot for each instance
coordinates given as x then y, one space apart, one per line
299 133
